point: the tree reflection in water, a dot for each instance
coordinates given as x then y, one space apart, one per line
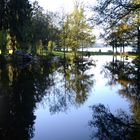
71 87
127 74
17 105
20 89
107 126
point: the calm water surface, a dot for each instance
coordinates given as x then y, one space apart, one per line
69 102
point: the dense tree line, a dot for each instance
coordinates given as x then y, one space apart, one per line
26 26
43 30
14 22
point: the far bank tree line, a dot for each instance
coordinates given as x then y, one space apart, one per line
27 27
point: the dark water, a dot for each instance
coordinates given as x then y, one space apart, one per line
82 101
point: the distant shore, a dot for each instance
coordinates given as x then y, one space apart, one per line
89 53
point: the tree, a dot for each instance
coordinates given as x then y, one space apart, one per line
19 15
113 13
64 30
50 46
76 29
3 14
39 27
3 41
43 28
119 37
15 20
3 25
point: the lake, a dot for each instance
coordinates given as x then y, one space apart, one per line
95 99
106 49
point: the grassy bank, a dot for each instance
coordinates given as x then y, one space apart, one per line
130 55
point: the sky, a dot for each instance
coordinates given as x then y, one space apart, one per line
55 5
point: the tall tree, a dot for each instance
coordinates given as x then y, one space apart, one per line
3 14
76 28
43 28
3 24
119 36
19 14
112 12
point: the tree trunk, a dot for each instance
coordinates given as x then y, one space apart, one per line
116 49
82 51
64 49
113 48
123 49
138 43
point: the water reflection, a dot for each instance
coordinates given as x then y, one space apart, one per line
61 85
124 72
121 126
17 104
71 86
20 90
78 80
127 74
